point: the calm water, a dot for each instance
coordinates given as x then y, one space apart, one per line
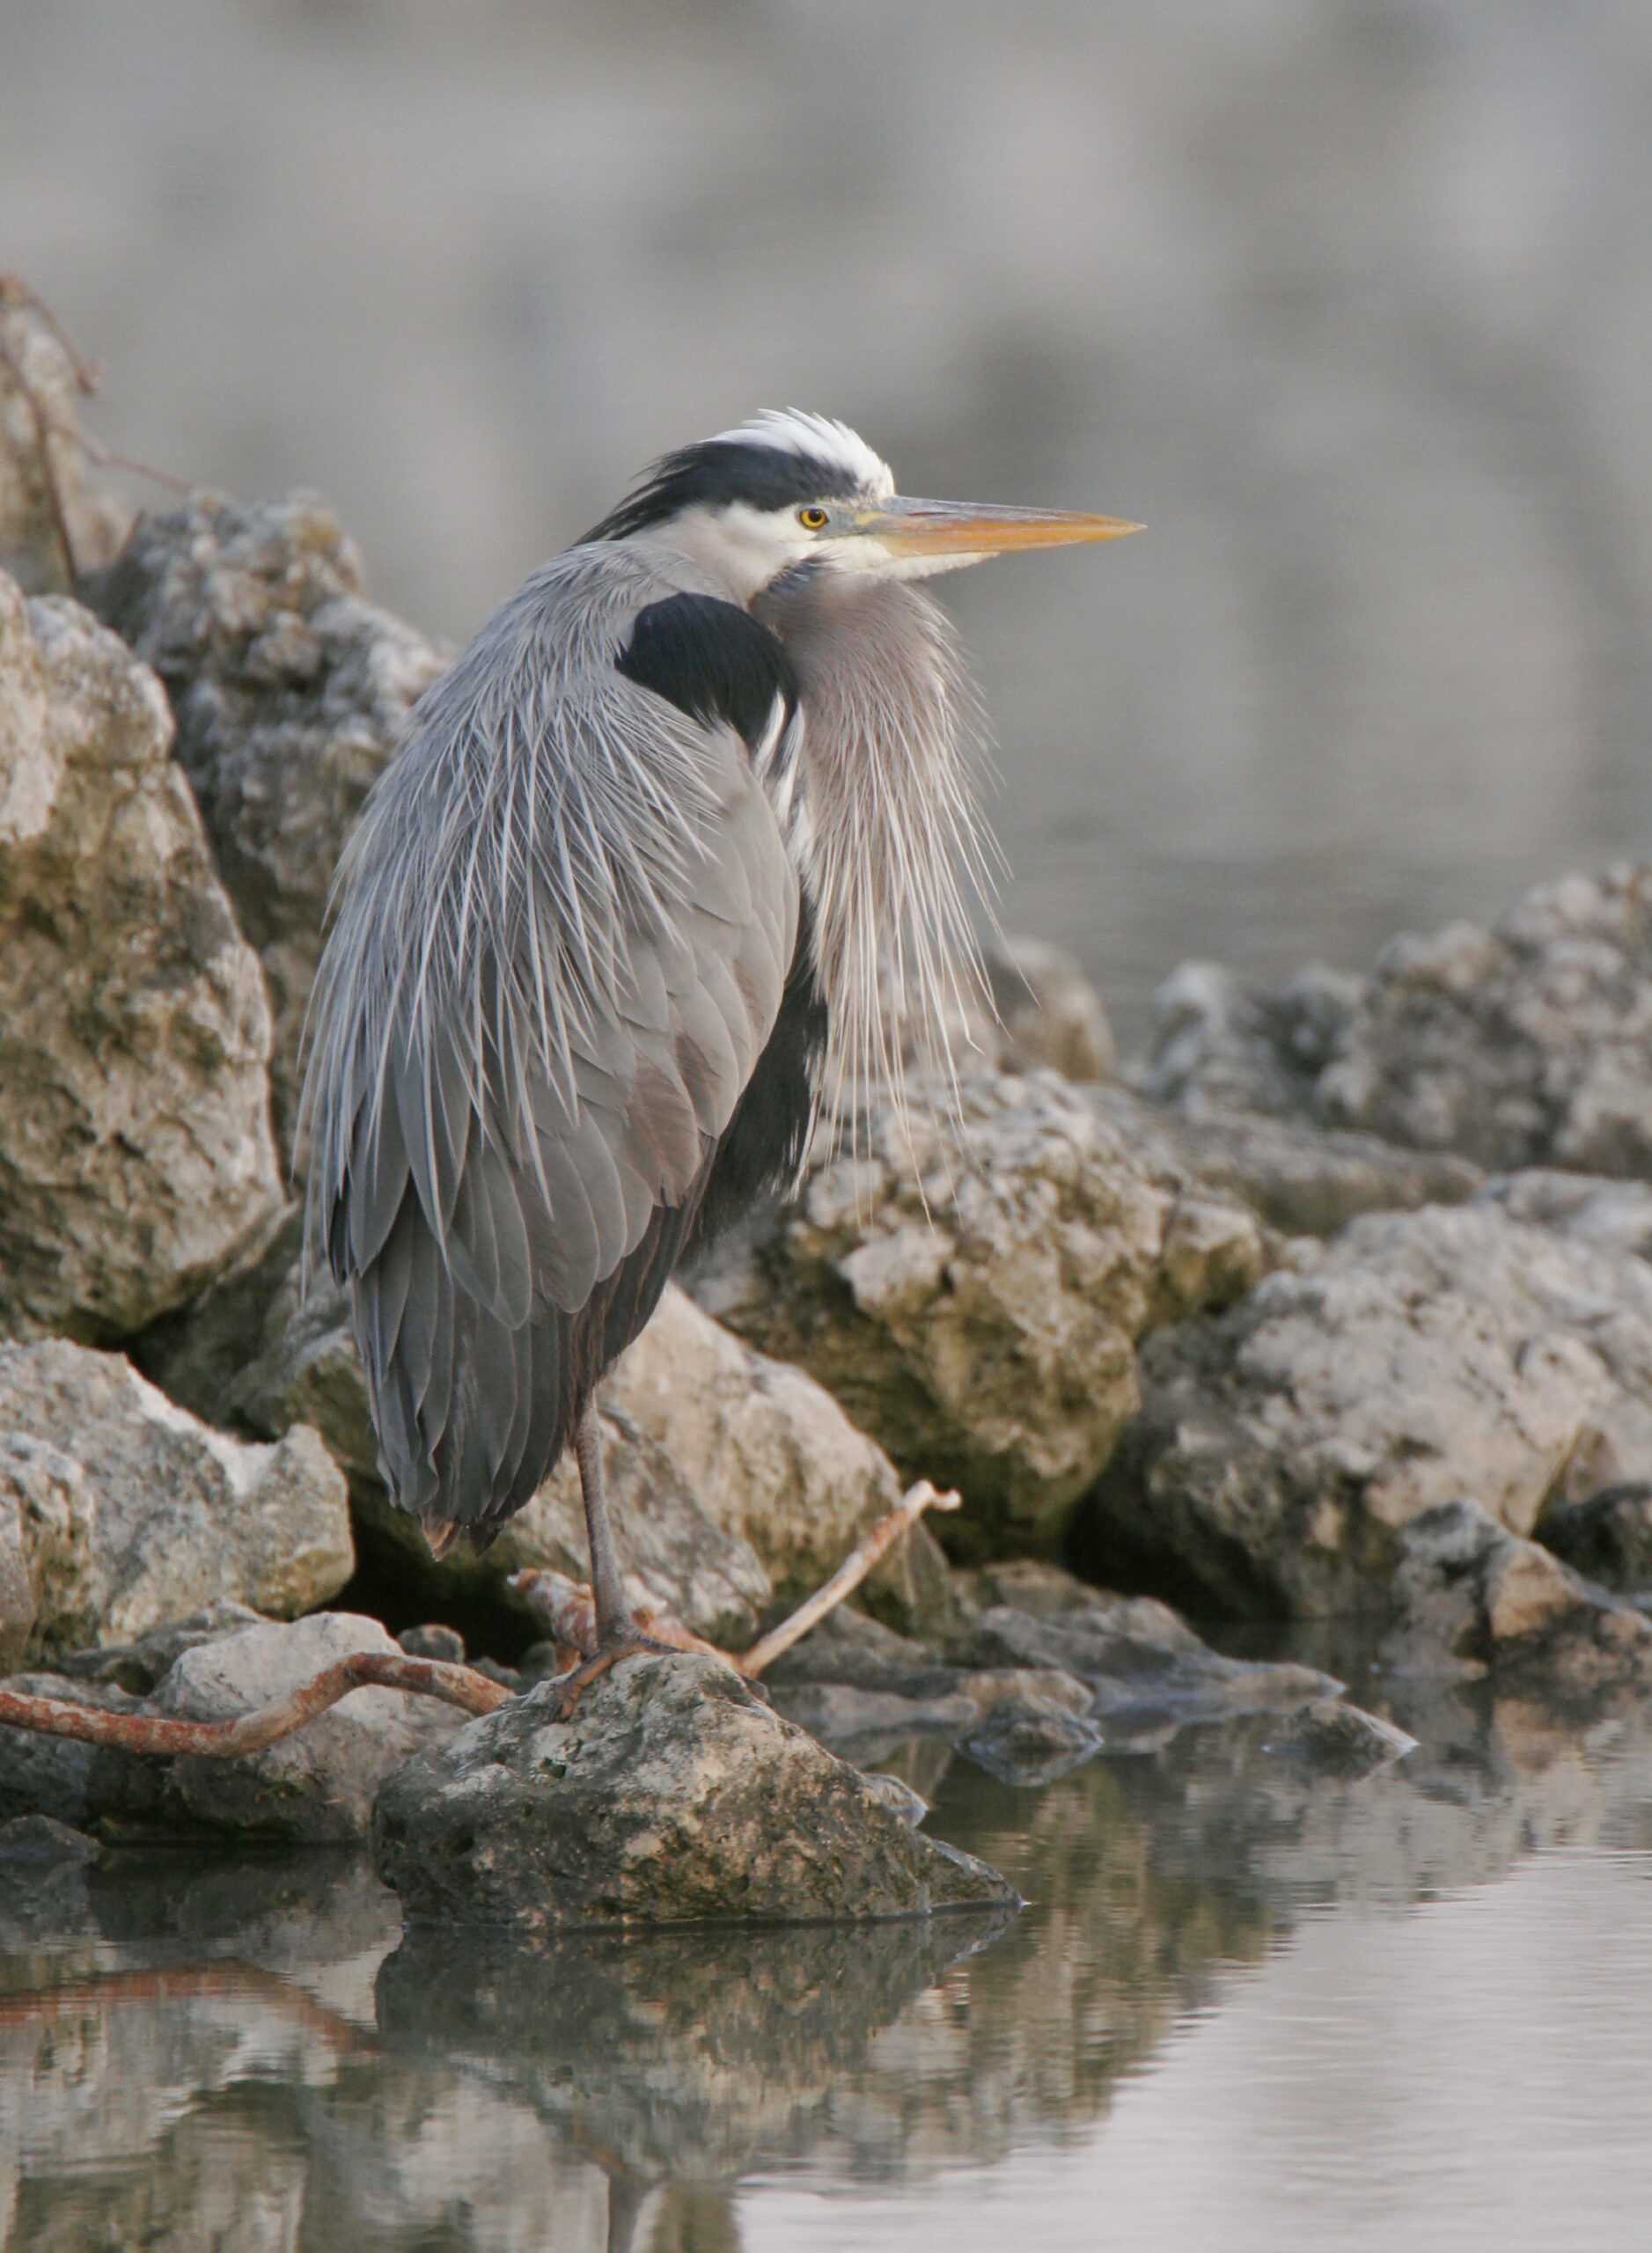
1245 2010
1351 304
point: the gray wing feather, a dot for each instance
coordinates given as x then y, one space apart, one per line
566 923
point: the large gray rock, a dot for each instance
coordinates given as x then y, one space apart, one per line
1421 1356
136 1157
132 1512
54 521
671 1794
291 694
972 1297
1528 1044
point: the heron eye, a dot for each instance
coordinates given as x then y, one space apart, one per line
812 519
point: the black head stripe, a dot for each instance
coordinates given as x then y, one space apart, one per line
719 471
711 659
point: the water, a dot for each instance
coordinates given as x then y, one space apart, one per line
1351 304
1246 2009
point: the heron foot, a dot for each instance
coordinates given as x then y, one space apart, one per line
621 1640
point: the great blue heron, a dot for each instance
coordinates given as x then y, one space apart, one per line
612 919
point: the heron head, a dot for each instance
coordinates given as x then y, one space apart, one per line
788 491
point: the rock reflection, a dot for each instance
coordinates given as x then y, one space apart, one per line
197 2054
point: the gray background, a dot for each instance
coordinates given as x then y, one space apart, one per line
1351 303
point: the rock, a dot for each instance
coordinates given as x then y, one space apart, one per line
290 691
1469 1598
1031 1745
133 1513
39 451
317 1786
1608 1538
671 1793
1332 1739
41 1838
972 1300
1051 1014
1616 1215
135 1157
1217 1044
1302 1179
140 1667
433 1643
1283 1446
1524 1044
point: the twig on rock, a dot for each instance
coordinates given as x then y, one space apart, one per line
567 1607
229 1740
872 1545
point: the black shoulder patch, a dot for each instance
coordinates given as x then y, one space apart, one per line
711 659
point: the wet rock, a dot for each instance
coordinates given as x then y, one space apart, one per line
318 1784
1031 1745
54 521
972 1300
1607 1537
1284 1445
41 1838
290 691
1471 1599
1052 1016
671 1793
1332 1739
132 1513
135 1157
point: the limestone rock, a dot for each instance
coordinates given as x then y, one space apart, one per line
1301 1180
971 1299
33 460
1528 1044
136 1157
1332 1739
132 1512
318 1784
1420 1356
291 694
1469 1598
1523 1045
671 1794
1051 1014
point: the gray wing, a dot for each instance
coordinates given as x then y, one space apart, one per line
566 922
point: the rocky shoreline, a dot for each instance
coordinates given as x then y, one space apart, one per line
1336 1303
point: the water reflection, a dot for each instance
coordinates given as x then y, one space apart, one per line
194 2054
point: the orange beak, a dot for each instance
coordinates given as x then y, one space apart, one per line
965 530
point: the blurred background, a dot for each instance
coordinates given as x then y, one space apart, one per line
1349 300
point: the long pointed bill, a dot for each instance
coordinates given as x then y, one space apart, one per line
963 531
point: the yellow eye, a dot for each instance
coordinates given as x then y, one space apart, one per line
812 519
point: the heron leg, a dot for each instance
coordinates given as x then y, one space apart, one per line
617 1633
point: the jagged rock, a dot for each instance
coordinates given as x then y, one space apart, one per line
671 1793
1301 1180
1218 1044
135 1157
133 1513
1469 1598
971 1299
292 693
39 453
1615 1214
1051 1014
1421 1356
1524 1044
1527 1044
